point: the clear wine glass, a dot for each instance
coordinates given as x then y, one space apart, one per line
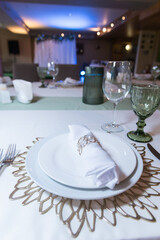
155 70
145 100
53 71
116 85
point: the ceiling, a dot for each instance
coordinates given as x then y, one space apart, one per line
37 16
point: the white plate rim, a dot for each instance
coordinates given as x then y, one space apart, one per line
41 179
69 179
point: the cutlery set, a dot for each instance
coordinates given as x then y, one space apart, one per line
9 156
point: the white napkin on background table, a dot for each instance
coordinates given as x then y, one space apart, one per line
96 161
69 80
23 90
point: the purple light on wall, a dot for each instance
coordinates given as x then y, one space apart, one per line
64 16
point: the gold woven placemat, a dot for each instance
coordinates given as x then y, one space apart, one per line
135 203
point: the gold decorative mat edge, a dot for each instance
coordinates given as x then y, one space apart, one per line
135 203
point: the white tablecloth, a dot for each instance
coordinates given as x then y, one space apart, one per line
18 222
62 91
25 222
56 92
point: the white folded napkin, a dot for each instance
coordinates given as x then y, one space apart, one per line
95 160
23 90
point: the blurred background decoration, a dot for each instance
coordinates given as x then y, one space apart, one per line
80 32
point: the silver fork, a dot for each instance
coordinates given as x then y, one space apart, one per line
9 156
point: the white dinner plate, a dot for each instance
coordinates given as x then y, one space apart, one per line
40 178
60 162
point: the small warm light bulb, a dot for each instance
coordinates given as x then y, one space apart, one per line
98 33
128 47
79 36
112 25
104 29
123 18
62 34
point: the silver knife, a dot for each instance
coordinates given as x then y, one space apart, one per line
153 150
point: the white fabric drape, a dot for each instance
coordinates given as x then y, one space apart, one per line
64 52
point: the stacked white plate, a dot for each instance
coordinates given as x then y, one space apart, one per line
56 168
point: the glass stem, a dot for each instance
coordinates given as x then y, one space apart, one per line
154 80
140 124
114 113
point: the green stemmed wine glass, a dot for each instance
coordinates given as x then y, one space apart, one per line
155 71
42 72
145 100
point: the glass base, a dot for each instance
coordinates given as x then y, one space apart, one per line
145 137
52 85
112 128
42 86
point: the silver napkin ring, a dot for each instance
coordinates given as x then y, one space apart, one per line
83 141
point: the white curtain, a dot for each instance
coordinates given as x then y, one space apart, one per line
64 52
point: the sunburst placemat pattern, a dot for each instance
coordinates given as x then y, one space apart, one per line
135 203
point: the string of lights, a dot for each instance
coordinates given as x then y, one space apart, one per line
111 26
60 37
101 32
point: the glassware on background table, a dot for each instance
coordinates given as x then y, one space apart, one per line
155 70
116 85
145 100
92 87
53 71
42 73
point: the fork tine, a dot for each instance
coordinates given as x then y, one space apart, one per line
13 151
7 153
1 152
10 154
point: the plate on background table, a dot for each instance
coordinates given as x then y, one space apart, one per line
67 84
63 164
44 181
143 76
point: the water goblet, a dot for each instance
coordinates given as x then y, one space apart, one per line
116 85
145 100
155 70
53 70
42 73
